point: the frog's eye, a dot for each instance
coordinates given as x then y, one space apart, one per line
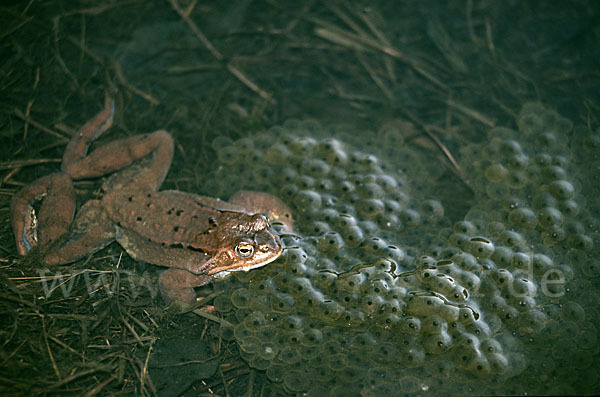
244 249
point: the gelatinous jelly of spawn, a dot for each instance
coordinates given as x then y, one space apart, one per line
383 290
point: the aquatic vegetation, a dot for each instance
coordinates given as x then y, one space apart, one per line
381 291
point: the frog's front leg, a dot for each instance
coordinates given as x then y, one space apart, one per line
178 285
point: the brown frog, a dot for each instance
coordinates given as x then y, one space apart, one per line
199 238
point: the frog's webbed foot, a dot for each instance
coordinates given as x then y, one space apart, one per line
55 214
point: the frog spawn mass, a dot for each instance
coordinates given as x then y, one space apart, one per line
379 292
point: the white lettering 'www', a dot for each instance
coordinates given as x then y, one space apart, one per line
95 282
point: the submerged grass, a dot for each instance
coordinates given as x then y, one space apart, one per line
207 69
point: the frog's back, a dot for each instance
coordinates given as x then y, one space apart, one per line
170 217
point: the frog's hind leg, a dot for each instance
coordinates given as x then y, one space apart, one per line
56 211
118 154
91 231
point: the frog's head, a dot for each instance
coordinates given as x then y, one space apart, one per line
245 246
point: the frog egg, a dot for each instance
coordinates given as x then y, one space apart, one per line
288 191
228 155
222 303
553 236
351 318
371 304
376 287
397 293
531 322
496 191
254 321
502 256
370 190
498 363
427 275
282 302
387 182
521 260
587 338
307 200
311 298
394 253
373 245
240 298
563 348
249 345
421 305
512 239
324 185
495 173
389 222
316 168
328 215
318 228
410 217
241 332
478 365
581 242
434 324
277 154
479 247
330 242
295 381
569 208
300 286
412 358
303 145
268 350
541 264
471 281
464 227
522 286
390 311
325 279
448 287
502 277
523 218
432 209
410 325
467 315
522 303
294 255
561 189
437 343
370 207
572 311
466 261
554 172
516 179
518 161
327 311
530 123
392 207
351 283
264 174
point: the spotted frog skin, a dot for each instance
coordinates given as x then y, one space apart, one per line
198 238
